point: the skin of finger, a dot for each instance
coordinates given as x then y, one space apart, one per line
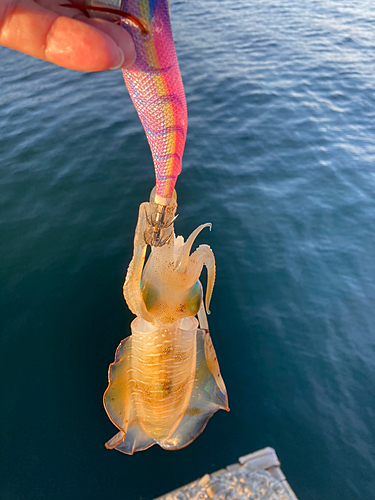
72 44
77 45
119 35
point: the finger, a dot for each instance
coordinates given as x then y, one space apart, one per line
118 34
32 29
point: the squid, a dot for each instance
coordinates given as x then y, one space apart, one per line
165 382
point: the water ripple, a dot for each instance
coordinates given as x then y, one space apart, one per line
279 156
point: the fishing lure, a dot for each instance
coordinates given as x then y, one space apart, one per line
155 87
165 382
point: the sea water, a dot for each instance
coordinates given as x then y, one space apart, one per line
280 158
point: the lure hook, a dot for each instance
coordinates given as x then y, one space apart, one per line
108 10
158 221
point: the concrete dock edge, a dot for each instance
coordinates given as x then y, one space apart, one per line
258 471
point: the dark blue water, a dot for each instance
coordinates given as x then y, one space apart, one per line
280 158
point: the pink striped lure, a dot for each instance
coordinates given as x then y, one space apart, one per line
153 81
155 87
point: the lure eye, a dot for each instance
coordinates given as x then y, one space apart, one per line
109 10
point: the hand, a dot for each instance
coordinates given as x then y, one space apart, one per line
64 36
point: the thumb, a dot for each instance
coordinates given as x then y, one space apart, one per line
39 32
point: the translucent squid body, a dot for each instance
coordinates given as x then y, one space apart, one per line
165 382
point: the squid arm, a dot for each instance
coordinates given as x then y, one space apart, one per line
205 256
132 289
166 288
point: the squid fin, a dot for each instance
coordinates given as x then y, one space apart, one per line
116 398
213 366
208 395
115 440
120 407
136 440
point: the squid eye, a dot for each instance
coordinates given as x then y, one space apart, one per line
150 295
194 298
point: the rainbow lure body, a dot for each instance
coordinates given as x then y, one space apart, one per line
155 87
153 81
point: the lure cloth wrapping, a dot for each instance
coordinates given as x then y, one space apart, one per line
155 87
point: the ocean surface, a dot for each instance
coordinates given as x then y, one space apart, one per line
280 157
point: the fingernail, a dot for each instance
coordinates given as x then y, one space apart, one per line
128 49
121 60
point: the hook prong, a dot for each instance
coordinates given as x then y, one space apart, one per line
108 10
